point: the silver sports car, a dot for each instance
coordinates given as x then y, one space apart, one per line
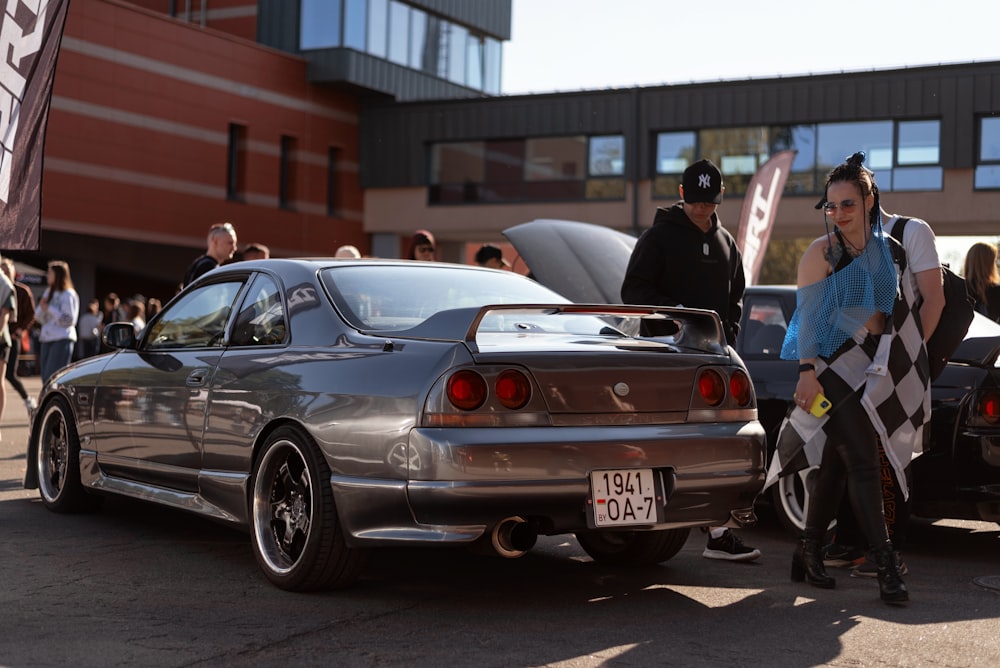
329 406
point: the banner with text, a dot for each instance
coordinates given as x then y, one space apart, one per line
759 208
30 34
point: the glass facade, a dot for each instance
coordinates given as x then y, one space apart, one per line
405 35
528 170
905 155
988 162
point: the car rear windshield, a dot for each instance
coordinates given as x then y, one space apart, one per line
400 297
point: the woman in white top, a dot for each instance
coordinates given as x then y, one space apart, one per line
57 311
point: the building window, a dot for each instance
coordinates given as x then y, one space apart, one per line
527 170
355 22
378 28
418 39
332 194
492 57
803 178
457 37
918 156
399 33
606 156
319 24
236 163
405 35
474 62
286 178
905 155
674 152
988 165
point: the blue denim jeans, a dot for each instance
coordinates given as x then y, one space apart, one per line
54 355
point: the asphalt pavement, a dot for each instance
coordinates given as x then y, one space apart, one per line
134 584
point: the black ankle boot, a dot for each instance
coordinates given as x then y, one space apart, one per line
890 584
807 565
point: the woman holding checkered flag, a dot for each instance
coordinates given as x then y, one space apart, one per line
863 361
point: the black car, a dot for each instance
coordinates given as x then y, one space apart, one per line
958 475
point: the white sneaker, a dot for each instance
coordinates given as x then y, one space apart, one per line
31 405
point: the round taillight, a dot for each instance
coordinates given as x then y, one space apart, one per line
741 388
513 389
712 387
466 390
989 407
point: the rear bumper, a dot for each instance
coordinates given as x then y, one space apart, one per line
464 481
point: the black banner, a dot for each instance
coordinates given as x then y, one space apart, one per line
29 42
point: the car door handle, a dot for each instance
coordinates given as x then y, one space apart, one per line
197 378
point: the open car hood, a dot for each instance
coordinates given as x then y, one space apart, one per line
583 262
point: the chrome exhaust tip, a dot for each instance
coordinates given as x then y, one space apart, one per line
513 537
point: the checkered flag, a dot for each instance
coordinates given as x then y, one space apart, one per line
890 375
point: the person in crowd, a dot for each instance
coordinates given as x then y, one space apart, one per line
924 266
983 279
256 251
490 256
8 313
17 327
137 314
856 336
687 240
153 306
348 251
113 309
57 312
422 246
88 330
221 247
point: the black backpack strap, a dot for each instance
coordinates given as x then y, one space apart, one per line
897 229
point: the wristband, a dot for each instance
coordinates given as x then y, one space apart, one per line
807 366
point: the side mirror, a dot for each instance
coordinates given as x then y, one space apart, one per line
119 335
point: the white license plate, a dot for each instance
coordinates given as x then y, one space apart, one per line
624 496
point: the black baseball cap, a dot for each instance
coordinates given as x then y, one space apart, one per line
702 183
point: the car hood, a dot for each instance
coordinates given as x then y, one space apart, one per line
583 262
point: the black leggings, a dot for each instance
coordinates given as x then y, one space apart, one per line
851 461
15 352
895 507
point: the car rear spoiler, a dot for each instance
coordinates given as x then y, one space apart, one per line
695 329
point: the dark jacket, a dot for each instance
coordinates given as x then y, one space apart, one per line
674 263
25 309
202 265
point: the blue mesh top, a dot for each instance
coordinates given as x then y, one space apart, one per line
829 312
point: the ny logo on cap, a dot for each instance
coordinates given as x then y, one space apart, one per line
704 181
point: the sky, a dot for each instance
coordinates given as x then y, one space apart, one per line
564 45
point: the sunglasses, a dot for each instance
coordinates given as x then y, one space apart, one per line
846 206
425 249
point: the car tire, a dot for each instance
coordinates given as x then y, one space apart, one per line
790 498
297 537
57 460
632 548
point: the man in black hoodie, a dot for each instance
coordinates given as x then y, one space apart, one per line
688 259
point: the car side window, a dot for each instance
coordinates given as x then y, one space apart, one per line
261 320
766 326
195 320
